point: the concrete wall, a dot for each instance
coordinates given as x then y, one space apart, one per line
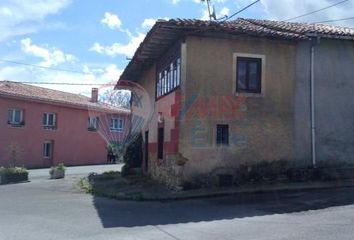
334 102
261 128
73 143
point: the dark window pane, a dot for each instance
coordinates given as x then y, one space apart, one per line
253 76
241 75
249 75
222 134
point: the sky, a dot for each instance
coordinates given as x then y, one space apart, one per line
91 41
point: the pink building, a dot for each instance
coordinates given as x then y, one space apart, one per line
40 127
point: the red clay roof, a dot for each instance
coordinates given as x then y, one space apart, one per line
164 33
39 94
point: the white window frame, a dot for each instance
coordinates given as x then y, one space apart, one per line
46 124
92 123
45 153
13 116
234 74
116 127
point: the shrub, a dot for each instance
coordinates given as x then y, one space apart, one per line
13 170
133 156
13 175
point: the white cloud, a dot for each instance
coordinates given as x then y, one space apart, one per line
20 17
175 1
148 23
224 12
294 8
108 74
119 48
111 20
50 56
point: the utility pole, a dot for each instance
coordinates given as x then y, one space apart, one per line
212 15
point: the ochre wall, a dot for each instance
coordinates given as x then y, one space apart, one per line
261 128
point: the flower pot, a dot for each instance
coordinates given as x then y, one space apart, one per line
57 174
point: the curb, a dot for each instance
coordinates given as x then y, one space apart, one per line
230 192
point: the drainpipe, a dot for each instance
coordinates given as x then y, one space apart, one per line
314 42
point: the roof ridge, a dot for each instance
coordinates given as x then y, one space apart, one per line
60 91
258 23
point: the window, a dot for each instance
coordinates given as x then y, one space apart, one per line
15 117
49 120
222 134
116 124
248 75
169 78
160 140
92 123
48 149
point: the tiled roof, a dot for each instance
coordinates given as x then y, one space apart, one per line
165 33
28 92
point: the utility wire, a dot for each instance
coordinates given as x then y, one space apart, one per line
336 20
318 10
71 84
243 9
48 68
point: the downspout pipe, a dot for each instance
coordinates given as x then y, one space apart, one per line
314 42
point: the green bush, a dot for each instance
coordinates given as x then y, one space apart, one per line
13 170
13 175
133 156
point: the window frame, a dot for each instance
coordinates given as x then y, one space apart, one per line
117 129
221 141
262 75
90 126
46 124
167 78
11 121
45 154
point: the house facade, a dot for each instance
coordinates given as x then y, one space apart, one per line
41 127
243 92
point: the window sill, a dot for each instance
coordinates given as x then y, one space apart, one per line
92 129
53 128
116 130
247 94
16 125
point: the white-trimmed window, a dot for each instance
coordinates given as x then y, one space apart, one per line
15 116
168 78
49 120
116 124
48 149
92 123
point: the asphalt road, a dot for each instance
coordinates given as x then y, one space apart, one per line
57 210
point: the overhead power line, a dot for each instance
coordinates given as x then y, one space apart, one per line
43 67
243 9
336 20
71 84
316 11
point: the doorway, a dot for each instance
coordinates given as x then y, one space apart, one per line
146 157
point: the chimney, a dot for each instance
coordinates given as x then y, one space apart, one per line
94 95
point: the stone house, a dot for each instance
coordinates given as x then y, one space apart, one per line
244 91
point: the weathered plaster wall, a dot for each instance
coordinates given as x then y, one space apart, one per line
261 128
168 106
334 101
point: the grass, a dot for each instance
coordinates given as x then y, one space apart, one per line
113 185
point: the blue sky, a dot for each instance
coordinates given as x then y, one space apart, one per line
96 37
